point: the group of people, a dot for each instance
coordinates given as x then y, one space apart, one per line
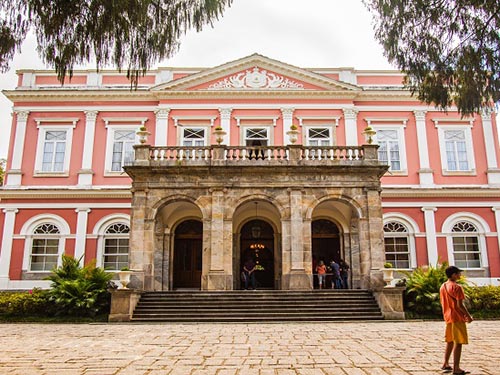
339 272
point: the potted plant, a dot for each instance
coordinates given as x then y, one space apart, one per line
124 276
293 133
219 134
388 272
143 134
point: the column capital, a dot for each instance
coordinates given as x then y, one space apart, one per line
287 111
225 113
495 209
91 115
420 115
10 210
350 113
83 209
429 208
22 115
486 113
162 113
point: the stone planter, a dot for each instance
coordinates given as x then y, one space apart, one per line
219 135
294 136
143 136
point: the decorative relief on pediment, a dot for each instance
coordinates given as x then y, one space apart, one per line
256 79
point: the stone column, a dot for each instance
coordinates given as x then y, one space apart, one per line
13 176
376 240
161 126
490 149
137 259
298 278
287 122
216 274
225 123
81 233
351 126
85 174
6 249
430 229
425 172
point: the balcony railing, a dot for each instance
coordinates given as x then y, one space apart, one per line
248 155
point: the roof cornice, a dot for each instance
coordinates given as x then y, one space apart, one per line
462 192
42 194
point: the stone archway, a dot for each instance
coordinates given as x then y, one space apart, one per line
187 255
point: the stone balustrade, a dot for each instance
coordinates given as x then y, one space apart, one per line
248 155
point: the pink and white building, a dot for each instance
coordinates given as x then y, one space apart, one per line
220 177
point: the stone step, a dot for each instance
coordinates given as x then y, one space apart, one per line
261 305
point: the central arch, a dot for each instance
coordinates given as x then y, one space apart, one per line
188 255
257 242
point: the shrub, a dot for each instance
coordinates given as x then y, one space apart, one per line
30 303
481 298
422 289
77 290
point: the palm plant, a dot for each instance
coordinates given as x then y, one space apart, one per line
78 290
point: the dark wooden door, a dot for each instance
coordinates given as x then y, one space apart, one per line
187 263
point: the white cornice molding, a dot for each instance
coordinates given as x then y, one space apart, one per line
125 120
43 194
462 192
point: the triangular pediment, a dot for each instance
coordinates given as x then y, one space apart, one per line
255 73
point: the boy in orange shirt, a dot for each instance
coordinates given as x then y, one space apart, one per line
455 315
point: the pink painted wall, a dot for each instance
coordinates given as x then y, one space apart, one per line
52 80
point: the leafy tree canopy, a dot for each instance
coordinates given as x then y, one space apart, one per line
449 49
131 34
3 164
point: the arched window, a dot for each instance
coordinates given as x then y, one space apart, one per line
45 247
466 250
397 245
116 246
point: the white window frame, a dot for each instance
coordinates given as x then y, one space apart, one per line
110 140
27 232
482 229
329 127
412 228
456 126
42 132
100 232
400 130
182 127
244 129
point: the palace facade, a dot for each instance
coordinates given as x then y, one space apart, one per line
199 169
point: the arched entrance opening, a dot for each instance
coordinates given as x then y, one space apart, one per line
257 242
187 256
325 244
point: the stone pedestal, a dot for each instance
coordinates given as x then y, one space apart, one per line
218 280
390 300
123 302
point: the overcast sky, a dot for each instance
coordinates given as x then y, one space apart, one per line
309 34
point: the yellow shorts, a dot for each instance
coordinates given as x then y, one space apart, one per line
457 333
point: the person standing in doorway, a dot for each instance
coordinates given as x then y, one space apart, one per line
336 283
321 270
344 273
249 271
455 315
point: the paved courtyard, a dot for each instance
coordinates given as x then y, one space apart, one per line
373 348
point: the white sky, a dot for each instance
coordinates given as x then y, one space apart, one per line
309 34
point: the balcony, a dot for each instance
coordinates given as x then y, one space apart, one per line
222 155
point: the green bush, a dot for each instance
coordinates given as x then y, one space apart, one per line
29 303
481 298
422 289
79 291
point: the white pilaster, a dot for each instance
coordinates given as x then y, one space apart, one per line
161 126
430 230
85 174
287 122
225 123
296 224
81 233
425 171
6 249
490 148
351 126
14 174
496 210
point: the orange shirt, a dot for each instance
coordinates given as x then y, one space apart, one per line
450 293
321 269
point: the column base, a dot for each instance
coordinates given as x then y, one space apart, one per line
218 280
297 280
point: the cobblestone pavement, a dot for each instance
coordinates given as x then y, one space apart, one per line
373 348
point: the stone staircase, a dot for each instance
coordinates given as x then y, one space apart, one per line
255 306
